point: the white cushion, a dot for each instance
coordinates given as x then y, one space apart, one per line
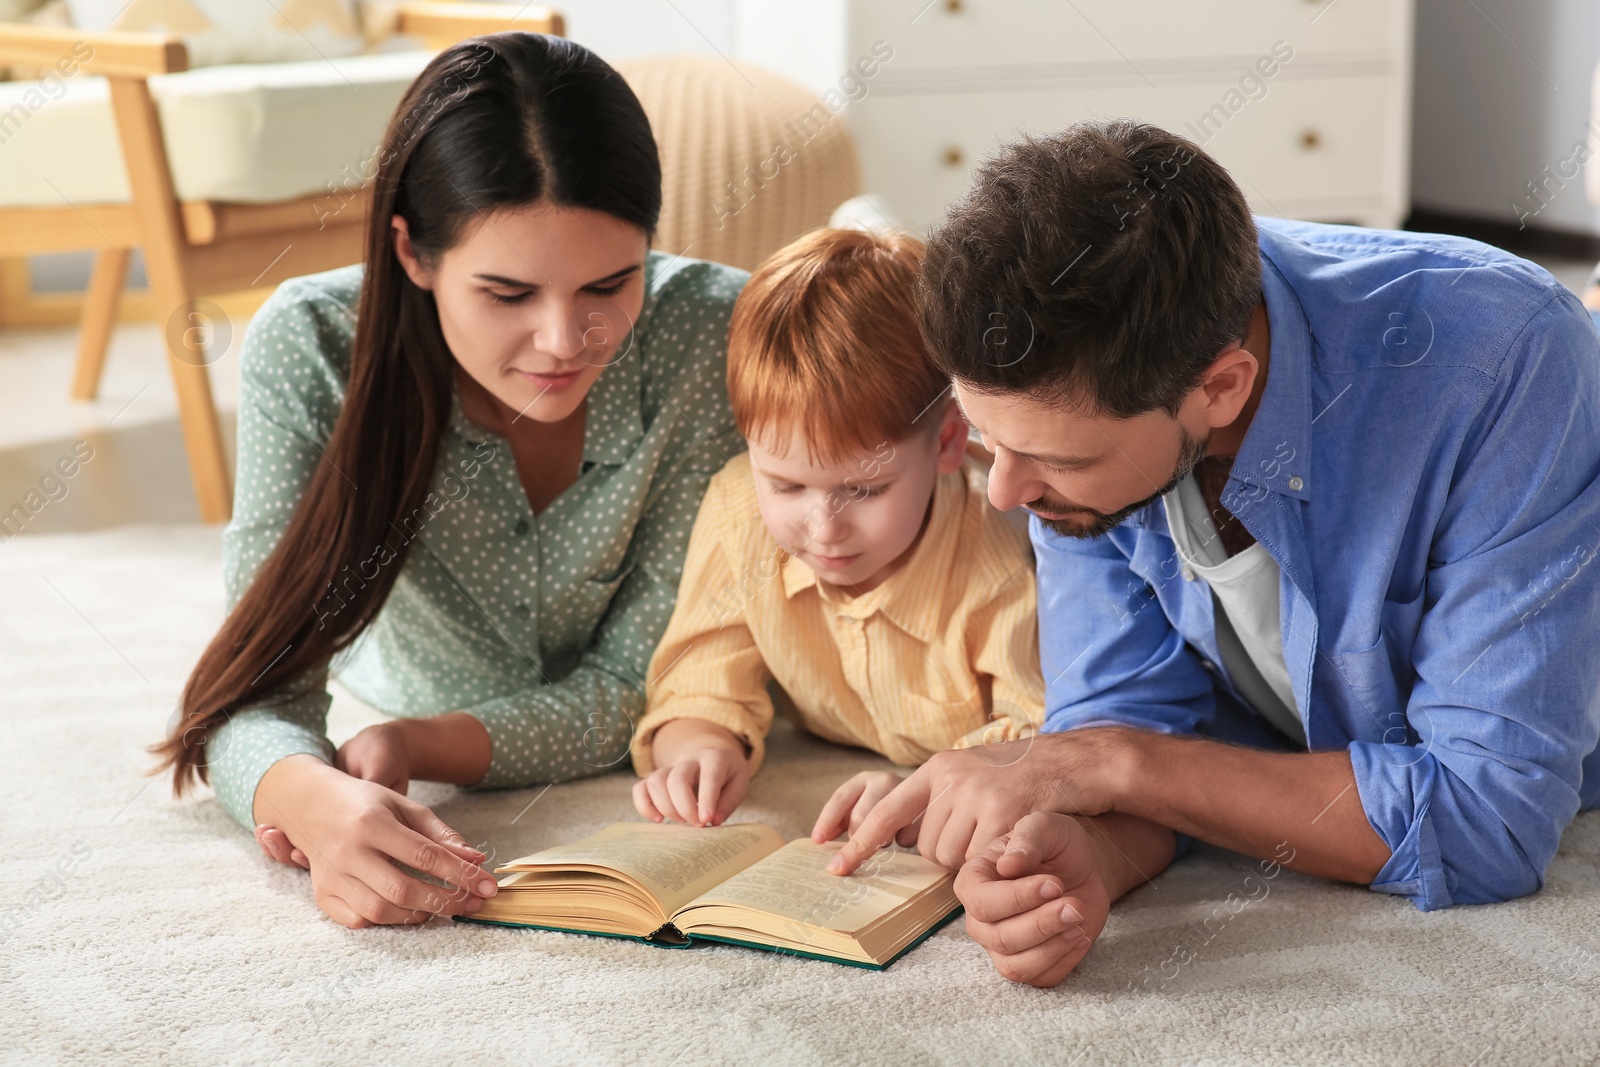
234 31
250 133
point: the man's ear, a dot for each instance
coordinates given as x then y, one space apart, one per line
421 276
952 436
1227 383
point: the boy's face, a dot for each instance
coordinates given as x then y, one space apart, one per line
853 523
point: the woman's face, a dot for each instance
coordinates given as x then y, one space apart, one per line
535 302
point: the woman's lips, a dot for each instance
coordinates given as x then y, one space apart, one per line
551 383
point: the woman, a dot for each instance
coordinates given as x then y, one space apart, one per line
469 469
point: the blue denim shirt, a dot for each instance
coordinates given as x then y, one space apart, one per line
1425 469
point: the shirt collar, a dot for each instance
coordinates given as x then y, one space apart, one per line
911 598
1276 450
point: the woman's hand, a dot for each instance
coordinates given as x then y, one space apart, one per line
701 774
853 801
378 754
353 834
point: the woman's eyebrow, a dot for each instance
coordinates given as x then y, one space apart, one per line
515 283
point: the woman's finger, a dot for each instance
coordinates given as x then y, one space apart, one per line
340 911
399 840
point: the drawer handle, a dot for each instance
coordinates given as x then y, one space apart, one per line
952 156
1310 139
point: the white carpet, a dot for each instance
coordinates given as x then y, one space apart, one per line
171 939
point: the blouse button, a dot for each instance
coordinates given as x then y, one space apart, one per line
522 527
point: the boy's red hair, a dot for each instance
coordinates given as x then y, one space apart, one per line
824 341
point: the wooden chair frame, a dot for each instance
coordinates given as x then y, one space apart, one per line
196 249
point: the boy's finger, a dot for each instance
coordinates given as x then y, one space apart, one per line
680 786
657 786
899 809
711 779
830 823
732 794
642 803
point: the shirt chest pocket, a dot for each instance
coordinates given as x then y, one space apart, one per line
590 597
1380 675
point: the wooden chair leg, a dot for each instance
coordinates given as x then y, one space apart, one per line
99 318
187 334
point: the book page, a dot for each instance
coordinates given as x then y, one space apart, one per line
793 884
674 863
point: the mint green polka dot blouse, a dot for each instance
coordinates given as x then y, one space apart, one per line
541 626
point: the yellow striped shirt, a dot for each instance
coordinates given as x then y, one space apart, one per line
943 654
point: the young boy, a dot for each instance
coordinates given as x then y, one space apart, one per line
851 554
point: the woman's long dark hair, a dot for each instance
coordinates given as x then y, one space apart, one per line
493 123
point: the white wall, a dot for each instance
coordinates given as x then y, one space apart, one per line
619 28
1502 92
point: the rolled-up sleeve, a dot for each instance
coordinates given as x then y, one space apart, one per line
1505 703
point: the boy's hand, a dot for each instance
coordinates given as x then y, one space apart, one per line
850 803
701 774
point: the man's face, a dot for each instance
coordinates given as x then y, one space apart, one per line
1080 474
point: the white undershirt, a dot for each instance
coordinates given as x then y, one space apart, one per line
1244 591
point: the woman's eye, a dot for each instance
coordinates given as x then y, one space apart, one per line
501 298
610 290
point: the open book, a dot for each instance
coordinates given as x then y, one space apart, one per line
673 885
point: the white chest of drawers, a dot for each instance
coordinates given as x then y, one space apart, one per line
1306 102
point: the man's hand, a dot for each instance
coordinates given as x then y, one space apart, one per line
1037 898
965 798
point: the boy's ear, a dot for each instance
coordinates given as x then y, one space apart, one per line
952 437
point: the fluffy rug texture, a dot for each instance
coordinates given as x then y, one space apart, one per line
136 928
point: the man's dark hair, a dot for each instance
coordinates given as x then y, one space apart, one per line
1104 266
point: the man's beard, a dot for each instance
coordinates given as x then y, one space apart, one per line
1190 452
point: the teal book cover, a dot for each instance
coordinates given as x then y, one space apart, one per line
670 937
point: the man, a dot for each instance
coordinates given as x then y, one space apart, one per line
1313 508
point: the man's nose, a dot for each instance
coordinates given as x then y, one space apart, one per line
1009 487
